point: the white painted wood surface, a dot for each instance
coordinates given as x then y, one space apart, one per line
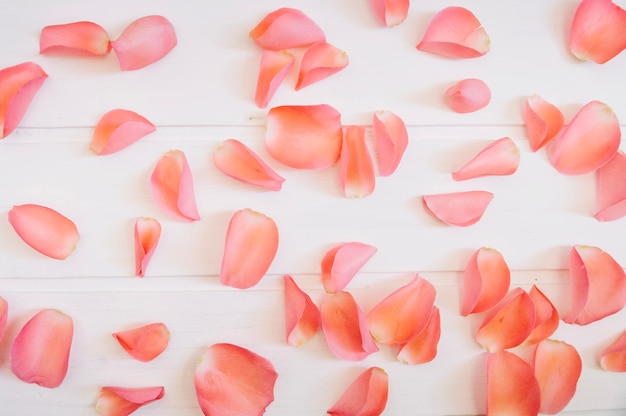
201 94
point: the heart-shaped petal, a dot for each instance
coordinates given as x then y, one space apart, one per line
390 12
458 208
77 38
557 368
122 401
486 281
275 66
613 358
356 166
146 342
302 317
286 28
392 140
423 347
500 157
597 33
468 95
342 262
147 232
365 396
320 61
543 121
611 189
117 130
512 388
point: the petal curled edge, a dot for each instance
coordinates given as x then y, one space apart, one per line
171 185
512 388
486 281
597 32
342 262
500 157
468 95
365 396
147 232
302 317
392 140
423 347
613 358
611 189
117 130
320 61
286 28
390 12
275 66
146 342
356 166
4 314
546 317
543 121
74 39
458 208
122 401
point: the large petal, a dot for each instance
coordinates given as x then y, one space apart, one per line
512 388
392 140
302 317
342 262
146 342
365 396
458 208
597 33
147 232
320 61
122 401
286 28
4 314
546 317
45 230
390 12
543 121
500 157
275 66
486 281
250 248
117 130
423 347
557 368
356 165
40 353
611 189
613 358
77 38
468 95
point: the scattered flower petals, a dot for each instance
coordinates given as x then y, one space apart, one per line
557 368
500 157
342 262
546 317
458 208
486 281
122 401
512 388
391 12
275 66
144 343
147 232
356 166
286 28
468 95
423 347
365 396
117 130
320 61
597 33
543 121
611 189
613 358
302 317
77 38
4 314
392 140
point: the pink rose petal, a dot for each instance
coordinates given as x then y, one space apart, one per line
117 130
543 121
546 317
74 39
356 166
611 189
320 61
486 281
390 12
500 157
613 357
342 262
423 347
122 401
275 66
147 232
392 140
4 314
597 33
512 388
286 28
468 95
458 208
365 396
302 317
146 342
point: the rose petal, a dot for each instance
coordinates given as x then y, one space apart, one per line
456 33
512 388
500 157
122 401
302 317
486 281
275 66
117 130
557 369
390 12
365 396
144 41
356 165
546 317
144 343
41 350
18 86
231 380
458 208
238 161
171 186
468 95
251 245
613 358
588 142
45 230
611 189
304 137
74 39
147 232
320 61
597 33
286 28
543 121
392 140
423 347
4 314
342 262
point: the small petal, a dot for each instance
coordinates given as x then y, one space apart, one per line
611 189
117 130
500 157
122 401
486 281
597 33
251 245
356 165
302 317
546 317
423 347
147 232
40 353
543 121
45 230
320 61
238 161
342 262
468 95
613 358
392 140
4 314
557 369
512 388
458 208
286 28
390 12
144 343
456 33
365 396
74 39
275 66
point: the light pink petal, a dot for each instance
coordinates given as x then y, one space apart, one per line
468 95
4 314
345 328
302 317
342 262
117 130
611 189
232 380
456 33
613 358
458 208
171 185
45 230
486 281
597 33
286 28
144 343
588 142
304 137
546 317
251 245
392 140
40 353
500 157
543 121
356 166
390 12
144 41
18 86
557 369
512 388
77 38
423 347
122 401
238 161
365 396
320 61
147 232
275 66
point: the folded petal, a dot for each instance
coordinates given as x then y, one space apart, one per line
238 161
122 401
147 232
286 28
18 86
512 388
251 245
117 130
171 185
146 342
611 189
613 358
390 12
45 230
342 262
40 353
468 95
4 314
275 66
392 140
345 328
588 142
302 317
77 38
456 33
365 396
232 380
356 165
458 208
144 41
320 61
423 347
543 121
500 157
597 33
486 281
304 137
546 317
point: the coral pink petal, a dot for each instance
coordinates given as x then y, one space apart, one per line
588 142
171 185
286 28
390 12
147 232
40 353
144 343
122 401
275 66
4 314
486 281
392 140
423 347
458 208
302 317
74 39
238 161
597 33
18 86
117 130
342 262
144 41
356 166
251 245
500 157
611 189
546 317
232 380
613 358
320 61
557 368
345 328
543 121
468 95
304 137
45 230
456 33
365 396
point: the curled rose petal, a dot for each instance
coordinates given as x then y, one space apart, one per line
40 353
500 157
390 12
423 347
468 95
45 230
4 314
286 28
458 208
320 61
251 245
122 401
597 33
144 343
546 317
365 396
456 33
613 357
231 380
392 140
147 232
275 66
117 130
302 317
356 165
486 281
77 38
238 161
342 262
543 121
512 388
611 189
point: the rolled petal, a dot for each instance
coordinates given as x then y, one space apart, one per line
342 262
231 380
122 401
543 121
611 189
588 142
4 314
117 130
302 317
18 86
238 161
275 66
171 185
390 12
512 388
144 343
456 33
458 208
251 245
500 157
467 96
557 368
597 33
144 41
286 28
546 317
147 233
486 281
423 347
345 328
40 353
613 358
45 230
392 140
320 61
365 396
304 137
77 38
356 166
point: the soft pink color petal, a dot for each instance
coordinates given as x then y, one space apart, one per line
304 137
320 61
232 380
423 347
122 401
302 317
238 161
40 353
486 281
468 95
365 396
356 165
611 189
543 121
597 33
546 317
588 142
286 28
45 230
117 130
251 245
342 262
613 357
500 157
557 367
458 208
74 39
146 342
275 66
390 12
18 86
4 314
392 140
512 388
147 232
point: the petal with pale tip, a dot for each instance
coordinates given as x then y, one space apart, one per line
118 129
546 317
320 60
146 342
286 28
543 121
467 96
147 232
486 281
356 165
342 262
122 401
512 388
365 396
611 189
423 347
4 314
390 12
274 68
302 317
613 357
392 140
74 39
458 208
597 33
500 157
